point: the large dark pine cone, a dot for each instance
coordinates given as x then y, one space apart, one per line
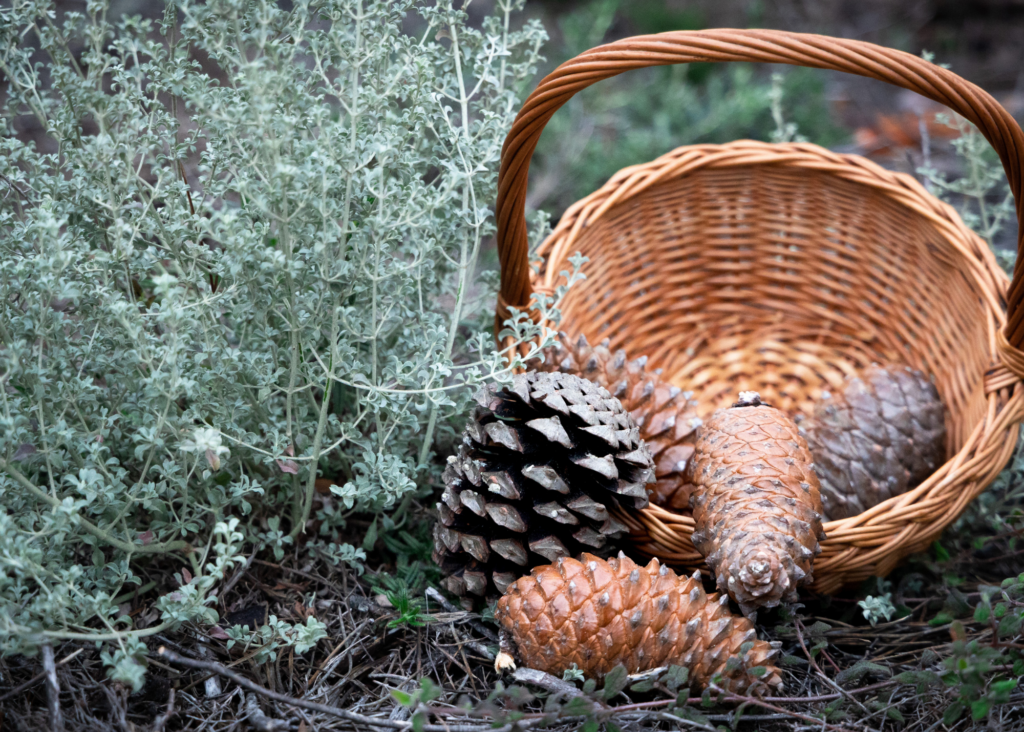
878 438
540 465
666 415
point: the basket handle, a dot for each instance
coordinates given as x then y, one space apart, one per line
767 46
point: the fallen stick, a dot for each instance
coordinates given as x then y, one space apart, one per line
52 690
547 682
160 722
245 683
488 633
258 719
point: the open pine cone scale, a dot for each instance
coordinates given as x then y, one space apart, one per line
666 415
541 464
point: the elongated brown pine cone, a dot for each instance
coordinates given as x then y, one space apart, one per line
756 503
880 436
541 463
665 414
598 614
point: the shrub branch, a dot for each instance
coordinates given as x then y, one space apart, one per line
164 548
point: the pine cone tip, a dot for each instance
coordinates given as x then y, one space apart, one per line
504 662
762 580
749 399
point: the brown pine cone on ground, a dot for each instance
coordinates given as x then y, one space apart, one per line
666 415
879 437
598 614
756 503
541 463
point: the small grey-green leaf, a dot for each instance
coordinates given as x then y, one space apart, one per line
615 682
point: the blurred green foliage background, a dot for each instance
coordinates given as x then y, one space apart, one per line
642 114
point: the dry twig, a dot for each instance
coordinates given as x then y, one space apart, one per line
259 720
245 683
547 682
161 721
52 690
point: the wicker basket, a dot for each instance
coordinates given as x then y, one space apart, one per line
781 268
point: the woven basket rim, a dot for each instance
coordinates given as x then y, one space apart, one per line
900 187
876 540
874 530
689 159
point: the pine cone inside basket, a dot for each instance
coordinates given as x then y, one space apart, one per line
540 465
598 614
756 503
879 437
666 415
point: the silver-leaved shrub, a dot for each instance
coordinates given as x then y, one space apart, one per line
241 253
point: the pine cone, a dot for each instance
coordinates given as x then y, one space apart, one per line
756 503
598 614
666 415
540 465
881 436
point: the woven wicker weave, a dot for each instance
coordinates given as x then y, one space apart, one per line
781 268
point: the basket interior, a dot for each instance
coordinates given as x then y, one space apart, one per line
782 280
